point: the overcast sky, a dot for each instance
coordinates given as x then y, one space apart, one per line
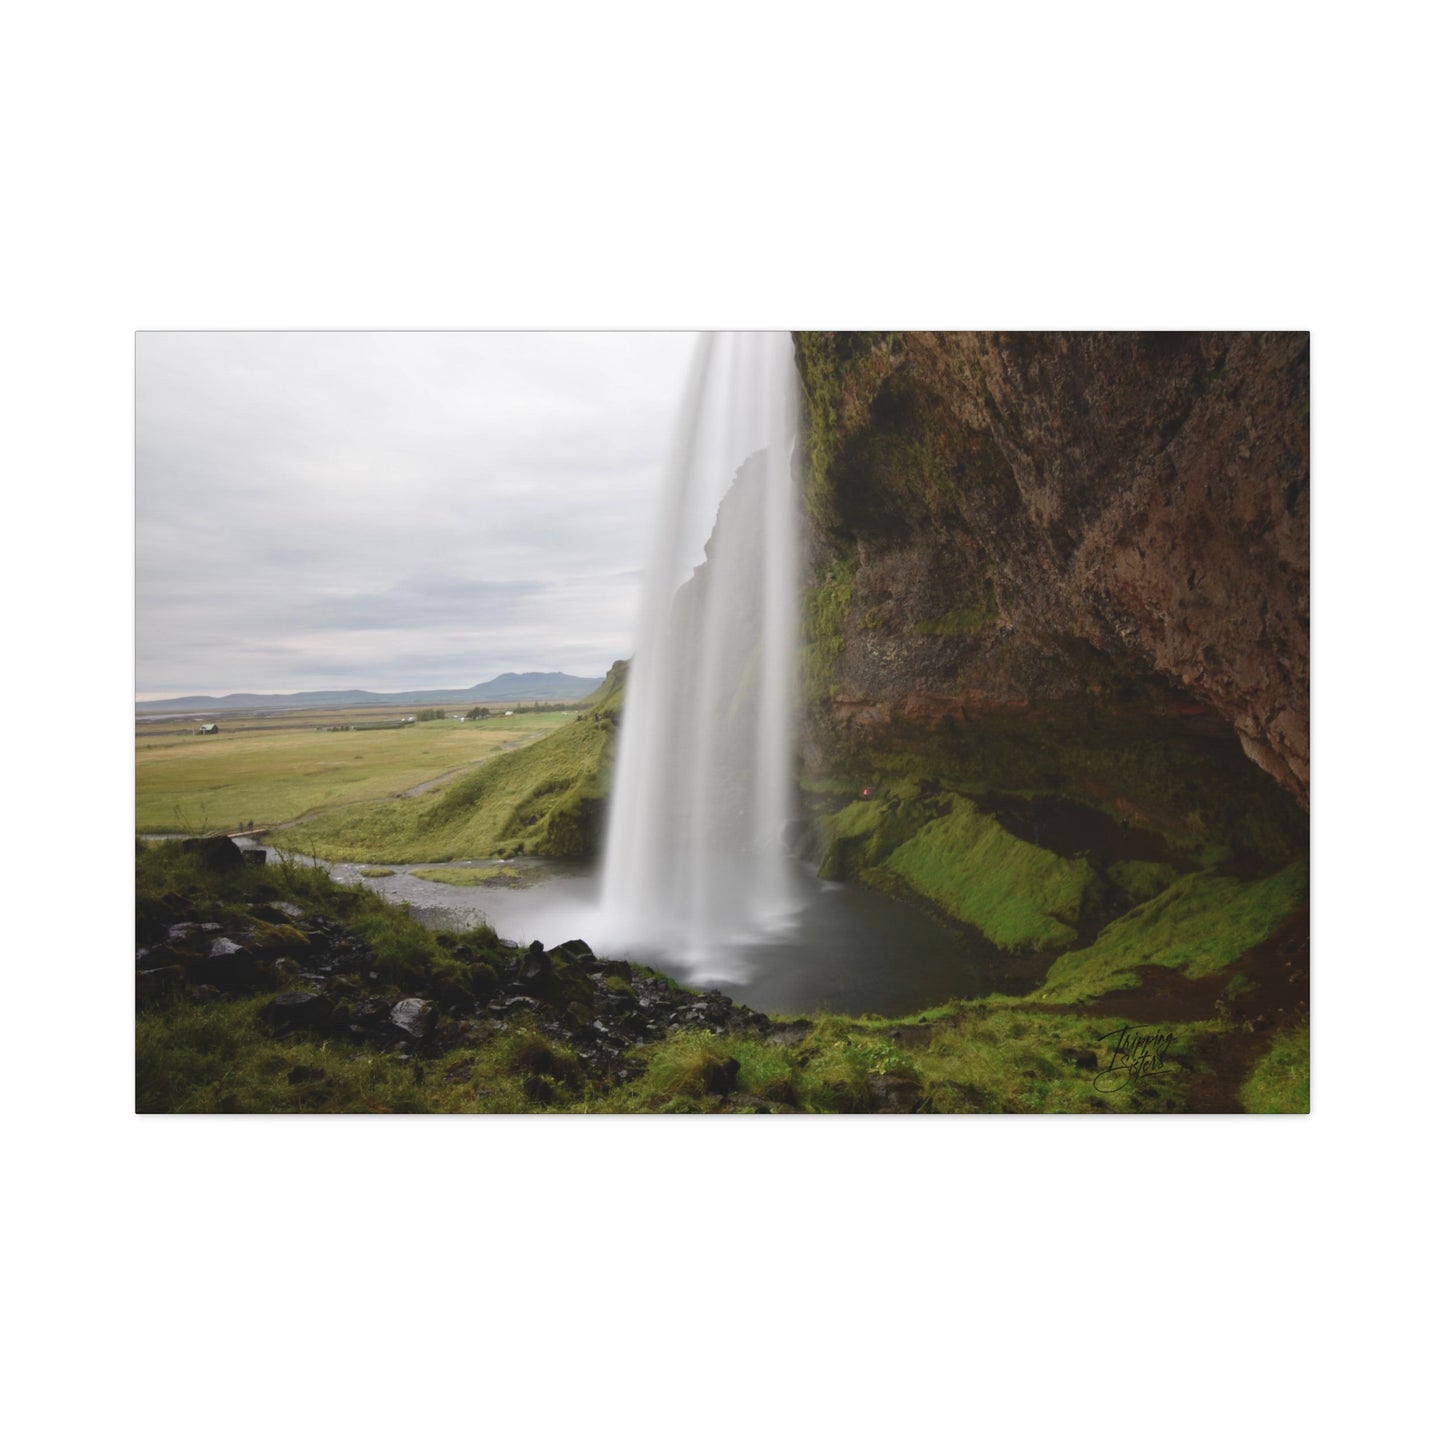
393 510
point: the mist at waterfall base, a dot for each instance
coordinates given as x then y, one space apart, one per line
697 878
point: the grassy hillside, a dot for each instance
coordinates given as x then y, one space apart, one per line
545 799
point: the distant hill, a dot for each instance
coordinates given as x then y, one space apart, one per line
509 687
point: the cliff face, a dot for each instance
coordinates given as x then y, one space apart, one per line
1021 526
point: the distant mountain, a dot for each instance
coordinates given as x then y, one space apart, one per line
509 687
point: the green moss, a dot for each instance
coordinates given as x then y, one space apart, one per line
864 833
463 877
825 611
1198 925
1017 895
1138 881
1280 1082
818 378
966 620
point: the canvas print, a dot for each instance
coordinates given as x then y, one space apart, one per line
766 723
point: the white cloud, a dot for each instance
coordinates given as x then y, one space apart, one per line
387 510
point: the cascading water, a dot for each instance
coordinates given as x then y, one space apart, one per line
696 861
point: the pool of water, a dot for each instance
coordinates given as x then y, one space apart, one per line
846 948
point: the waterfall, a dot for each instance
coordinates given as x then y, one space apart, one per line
696 862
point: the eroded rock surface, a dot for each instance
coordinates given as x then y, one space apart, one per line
1001 521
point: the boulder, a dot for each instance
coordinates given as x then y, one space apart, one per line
894 1094
229 967
575 951
536 973
217 851
415 1017
721 1077
372 1016
578 1018
296 1011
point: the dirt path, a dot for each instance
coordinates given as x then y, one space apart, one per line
435 782
1275 994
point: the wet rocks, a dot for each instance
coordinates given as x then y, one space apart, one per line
575 951
582 1014
229 967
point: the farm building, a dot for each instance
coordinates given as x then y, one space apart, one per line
208 728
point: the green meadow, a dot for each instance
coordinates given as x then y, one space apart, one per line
270 775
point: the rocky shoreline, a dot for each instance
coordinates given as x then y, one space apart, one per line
325 984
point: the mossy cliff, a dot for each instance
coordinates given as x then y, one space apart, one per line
1073 565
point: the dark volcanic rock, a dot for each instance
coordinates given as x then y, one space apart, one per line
229 967
894 1094
215 852
296 1010
575 951
536 970
721 1078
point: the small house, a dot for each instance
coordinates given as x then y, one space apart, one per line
207 728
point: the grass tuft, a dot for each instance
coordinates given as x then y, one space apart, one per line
1280 1082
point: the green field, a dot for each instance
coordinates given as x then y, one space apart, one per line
545 800
272 771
